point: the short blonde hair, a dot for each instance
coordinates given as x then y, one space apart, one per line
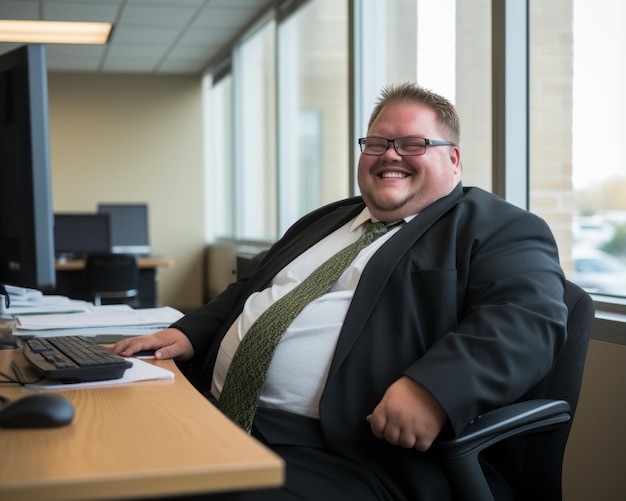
447 115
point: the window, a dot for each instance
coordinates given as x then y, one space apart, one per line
219 181
577 180
301 93
450 53
313 109
599 175
264 185
240 151
254 140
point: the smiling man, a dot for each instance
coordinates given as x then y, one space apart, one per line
455 308
396 176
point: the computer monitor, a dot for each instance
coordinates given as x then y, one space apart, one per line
78 234
129 227
26 235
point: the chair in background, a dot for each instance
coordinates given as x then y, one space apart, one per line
112 277
531 462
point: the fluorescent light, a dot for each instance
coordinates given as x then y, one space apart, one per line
54 32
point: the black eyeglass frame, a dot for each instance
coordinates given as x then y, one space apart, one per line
427 143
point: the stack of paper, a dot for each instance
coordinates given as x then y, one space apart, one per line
25 301
118 320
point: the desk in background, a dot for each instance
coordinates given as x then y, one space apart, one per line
70 279
152 438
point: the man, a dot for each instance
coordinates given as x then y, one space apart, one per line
456 310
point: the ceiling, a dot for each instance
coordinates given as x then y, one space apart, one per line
149 36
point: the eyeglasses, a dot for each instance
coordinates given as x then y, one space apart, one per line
404 146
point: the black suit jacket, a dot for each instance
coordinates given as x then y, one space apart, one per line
466 299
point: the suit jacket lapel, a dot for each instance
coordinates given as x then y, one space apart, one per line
380 267
310 236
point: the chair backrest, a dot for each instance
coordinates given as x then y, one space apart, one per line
533 463
111 275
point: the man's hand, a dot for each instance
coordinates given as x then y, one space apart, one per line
408 415
168 343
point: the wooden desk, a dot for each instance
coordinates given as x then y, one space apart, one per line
70 279
152 438
143 263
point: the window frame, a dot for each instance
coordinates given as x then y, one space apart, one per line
510 127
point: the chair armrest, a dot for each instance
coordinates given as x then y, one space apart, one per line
504 422
460 454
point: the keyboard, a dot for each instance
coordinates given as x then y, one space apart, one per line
73 359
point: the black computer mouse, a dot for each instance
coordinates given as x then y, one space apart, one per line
41 410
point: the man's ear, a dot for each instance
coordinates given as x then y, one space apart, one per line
455 158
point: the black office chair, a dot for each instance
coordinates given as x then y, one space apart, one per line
112 277
531 462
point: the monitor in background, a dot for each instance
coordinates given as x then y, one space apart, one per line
26 235
129 227
76 235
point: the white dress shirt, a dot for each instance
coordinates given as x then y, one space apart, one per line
298 371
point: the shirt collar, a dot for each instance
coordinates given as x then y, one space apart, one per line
366 215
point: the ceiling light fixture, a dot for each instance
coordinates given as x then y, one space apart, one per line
54 32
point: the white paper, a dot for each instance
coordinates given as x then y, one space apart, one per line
99 318
140 371
14 290
124 331
44 308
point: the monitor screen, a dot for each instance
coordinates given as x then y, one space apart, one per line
129 227
76 235
26 235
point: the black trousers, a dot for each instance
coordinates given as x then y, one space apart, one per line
312 471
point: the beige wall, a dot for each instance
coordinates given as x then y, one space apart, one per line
121 138
595 458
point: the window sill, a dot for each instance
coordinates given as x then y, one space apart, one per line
610 324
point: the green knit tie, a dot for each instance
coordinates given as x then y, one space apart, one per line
246 375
